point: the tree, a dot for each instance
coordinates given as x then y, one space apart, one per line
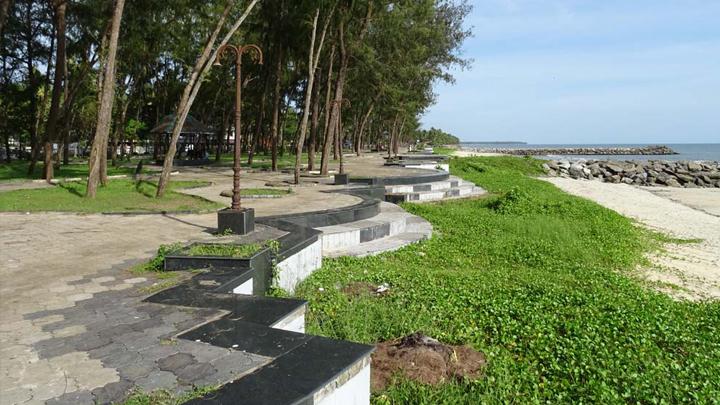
202 65
313 60
59 7
98 155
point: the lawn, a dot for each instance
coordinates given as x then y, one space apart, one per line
118 196
17 170
540 281
264 161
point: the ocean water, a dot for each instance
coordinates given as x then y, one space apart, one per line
686 151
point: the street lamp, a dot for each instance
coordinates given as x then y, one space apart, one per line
238 220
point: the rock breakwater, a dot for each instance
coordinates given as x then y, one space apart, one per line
644 150
641 173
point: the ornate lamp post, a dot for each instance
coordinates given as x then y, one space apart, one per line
238 220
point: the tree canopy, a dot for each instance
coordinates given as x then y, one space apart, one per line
381 57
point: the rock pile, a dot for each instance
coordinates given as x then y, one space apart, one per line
643 173
645 150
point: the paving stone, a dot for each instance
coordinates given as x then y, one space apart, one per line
144 324
120 359
73 398
54 348
194 372
79 297
69 331
15 395
113 392
157 380
79 282
135 280
104 351
91 342
134 371
175 361
158 352
115 331
202 352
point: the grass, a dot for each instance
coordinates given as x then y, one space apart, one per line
540 281
117 196
264 191
263 161
17 170
163 397
224 250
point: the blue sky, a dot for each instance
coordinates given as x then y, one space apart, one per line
587 71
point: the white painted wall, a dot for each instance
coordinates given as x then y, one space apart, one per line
348 389
299 266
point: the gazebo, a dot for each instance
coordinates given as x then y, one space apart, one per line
194 145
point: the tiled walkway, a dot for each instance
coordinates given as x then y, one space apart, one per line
73 327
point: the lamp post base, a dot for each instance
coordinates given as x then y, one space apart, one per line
342 178
239 222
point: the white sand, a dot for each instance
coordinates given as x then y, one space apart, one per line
689 271
470 153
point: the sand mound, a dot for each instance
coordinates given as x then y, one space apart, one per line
425 360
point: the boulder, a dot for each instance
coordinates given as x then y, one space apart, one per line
694 167
672 182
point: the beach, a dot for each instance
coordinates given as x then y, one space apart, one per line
686 270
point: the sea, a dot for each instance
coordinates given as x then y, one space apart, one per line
686 151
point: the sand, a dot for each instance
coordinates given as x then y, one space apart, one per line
685 270
470 153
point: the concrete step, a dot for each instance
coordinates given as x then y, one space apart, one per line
382 245
392 220
460 191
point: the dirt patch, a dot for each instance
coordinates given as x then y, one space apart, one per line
358 288
425 360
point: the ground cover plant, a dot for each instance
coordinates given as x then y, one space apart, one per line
17 170
118 196
224 250
541 282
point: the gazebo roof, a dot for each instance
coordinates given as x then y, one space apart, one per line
192 126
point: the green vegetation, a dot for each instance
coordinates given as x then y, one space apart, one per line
434 136
17 170
264 161
540 281
157 263
264 191
117 196
163 397
224 250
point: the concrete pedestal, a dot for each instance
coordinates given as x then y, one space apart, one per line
240 222
342 178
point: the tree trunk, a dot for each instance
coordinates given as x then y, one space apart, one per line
52 126
32 86
8 158
362 128
314 123
5 6
202 66
328 109
336 104
274 127
98 154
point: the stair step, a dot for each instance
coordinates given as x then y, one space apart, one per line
464 190
392 220
387 244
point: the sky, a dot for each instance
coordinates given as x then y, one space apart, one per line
586 71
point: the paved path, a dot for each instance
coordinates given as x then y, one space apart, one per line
72 324
73 327
694 267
